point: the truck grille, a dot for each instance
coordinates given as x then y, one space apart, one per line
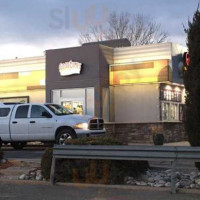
96 124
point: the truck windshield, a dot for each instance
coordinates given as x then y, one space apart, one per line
58 109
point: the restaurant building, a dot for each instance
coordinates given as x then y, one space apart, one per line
125 84
137 90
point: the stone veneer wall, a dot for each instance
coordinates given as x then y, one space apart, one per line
143 132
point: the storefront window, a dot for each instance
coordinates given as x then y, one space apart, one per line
165 111
170 111
170 95
75 107
78 100
174 112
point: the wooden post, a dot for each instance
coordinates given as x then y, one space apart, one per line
173 177
52 175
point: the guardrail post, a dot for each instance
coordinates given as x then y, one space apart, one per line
52 178
173 177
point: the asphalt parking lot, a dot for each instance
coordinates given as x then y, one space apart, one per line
32 191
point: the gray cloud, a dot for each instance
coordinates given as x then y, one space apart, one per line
42 23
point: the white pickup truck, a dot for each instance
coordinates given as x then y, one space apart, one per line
22 123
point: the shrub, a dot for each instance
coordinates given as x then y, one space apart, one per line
94 141
92 171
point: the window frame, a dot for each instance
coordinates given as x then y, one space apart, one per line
170 95
170 119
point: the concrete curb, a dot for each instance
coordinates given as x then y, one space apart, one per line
86 185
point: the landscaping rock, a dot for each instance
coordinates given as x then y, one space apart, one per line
148 173
150 184
141 183
197 180
151 180
163 179
177 184
184 183
22 177
39 177
158 185
157 178
27 177
192 186
168 171
161 182
168 184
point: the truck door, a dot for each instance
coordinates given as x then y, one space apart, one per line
41 126
19 123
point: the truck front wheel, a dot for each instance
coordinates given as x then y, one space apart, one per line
18 145
65 134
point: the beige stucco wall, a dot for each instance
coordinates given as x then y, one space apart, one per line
23 77
35 96
135 103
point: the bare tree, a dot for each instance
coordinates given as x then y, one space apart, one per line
139 29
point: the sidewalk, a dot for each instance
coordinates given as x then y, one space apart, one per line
184 143
23 190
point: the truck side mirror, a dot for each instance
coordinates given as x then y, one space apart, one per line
46 114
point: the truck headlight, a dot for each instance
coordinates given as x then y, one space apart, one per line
81 126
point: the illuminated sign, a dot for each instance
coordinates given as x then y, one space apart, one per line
69 68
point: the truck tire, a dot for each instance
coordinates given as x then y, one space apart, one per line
18 145
65 134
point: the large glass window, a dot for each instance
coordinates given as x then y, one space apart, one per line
36 111
170 95
165 111
22 112
4 112
170 111
77 100
75 106
174 112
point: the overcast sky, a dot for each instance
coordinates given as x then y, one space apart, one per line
29 27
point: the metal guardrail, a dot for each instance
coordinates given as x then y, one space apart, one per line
122 152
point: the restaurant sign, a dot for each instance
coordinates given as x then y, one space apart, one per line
69 68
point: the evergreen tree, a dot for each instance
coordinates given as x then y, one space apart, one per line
192 81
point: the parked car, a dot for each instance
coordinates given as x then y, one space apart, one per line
22 123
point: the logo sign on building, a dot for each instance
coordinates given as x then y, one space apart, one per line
69 68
